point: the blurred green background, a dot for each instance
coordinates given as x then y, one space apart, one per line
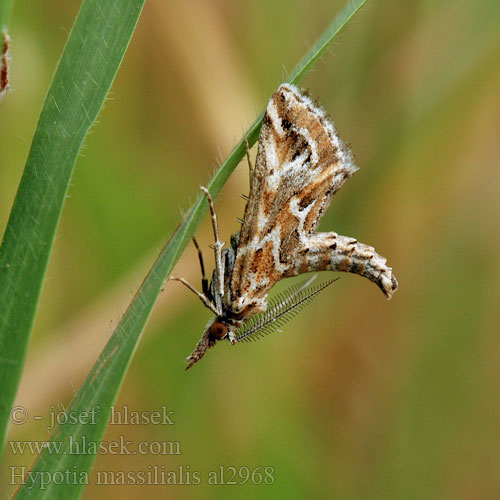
360 398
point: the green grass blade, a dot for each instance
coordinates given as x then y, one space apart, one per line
87 68
5 11
101 387
318 49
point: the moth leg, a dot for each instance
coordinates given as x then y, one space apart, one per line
231 337
201 296
330 251
250 166
204 281
219 266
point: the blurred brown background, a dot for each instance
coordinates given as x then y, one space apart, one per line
360 398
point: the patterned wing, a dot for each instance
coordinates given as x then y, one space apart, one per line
301 163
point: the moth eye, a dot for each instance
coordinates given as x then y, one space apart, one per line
218 330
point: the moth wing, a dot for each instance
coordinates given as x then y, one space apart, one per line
300 164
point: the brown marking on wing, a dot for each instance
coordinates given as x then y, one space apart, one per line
289 242
263 259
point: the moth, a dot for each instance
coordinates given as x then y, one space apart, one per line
301 163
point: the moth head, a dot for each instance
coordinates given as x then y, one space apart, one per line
218 329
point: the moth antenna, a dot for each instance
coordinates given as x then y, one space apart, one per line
244 196
282 309
239 220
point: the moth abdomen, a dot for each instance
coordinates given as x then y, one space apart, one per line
332 252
